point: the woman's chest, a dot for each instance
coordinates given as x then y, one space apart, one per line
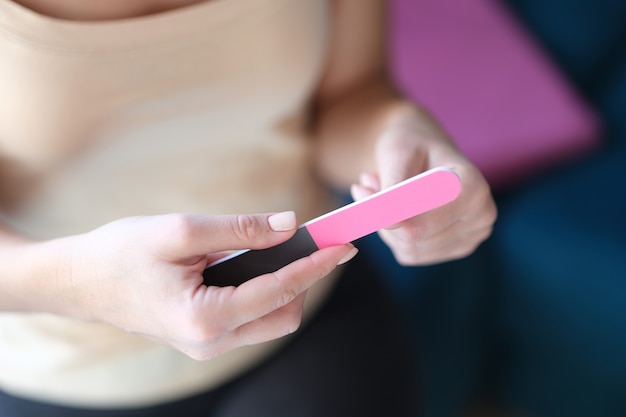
95 10
65 84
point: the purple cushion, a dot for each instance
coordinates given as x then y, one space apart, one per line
477 69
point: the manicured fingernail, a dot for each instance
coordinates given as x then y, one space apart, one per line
348 256
281 222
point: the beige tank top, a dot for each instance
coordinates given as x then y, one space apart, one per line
199 109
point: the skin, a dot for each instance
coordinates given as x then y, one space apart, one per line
368 137
92 277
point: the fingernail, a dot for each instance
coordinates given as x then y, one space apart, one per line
348 256
281 222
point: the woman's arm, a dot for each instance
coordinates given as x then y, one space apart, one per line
370 137
14 284
144 275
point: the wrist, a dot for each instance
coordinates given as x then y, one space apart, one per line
36 276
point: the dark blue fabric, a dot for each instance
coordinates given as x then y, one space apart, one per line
560 247
583 36
446 306
535 321
560 242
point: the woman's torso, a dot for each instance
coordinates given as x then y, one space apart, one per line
199 109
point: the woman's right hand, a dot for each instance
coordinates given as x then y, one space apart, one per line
144 275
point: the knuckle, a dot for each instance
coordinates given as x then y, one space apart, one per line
320 266
291 317
485 205
408 237
477 238
198 333
246 227
492 212
462 253
407 252
414 234
180 228
406 259
484 235
293 323
285 296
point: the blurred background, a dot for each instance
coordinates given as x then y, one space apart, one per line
534 91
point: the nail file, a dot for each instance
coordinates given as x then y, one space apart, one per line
409 198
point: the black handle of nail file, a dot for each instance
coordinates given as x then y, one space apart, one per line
246 265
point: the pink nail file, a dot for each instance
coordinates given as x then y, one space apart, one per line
409 198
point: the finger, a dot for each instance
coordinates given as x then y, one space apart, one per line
358 192
262 295
197 235
456 241
436 254
398 157
272 326
415 239
368 184
276 324
370 181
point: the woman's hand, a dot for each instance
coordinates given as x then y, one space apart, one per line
144 275
412 142
360 112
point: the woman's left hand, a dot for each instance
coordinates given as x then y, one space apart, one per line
410 143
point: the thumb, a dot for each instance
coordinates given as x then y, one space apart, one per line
203 235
